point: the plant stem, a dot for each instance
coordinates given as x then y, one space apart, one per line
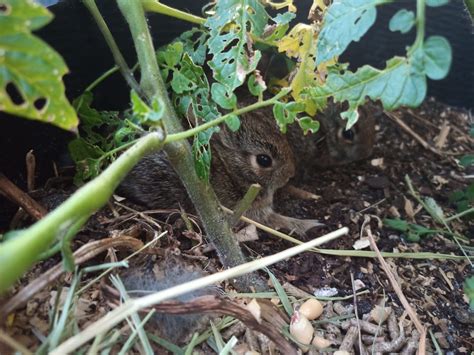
244 203
156 6
257 105
420 25
460 214
179 152
101 78
119 59
18 254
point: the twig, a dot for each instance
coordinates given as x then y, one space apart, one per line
401 296
14 194
244 204
30 170
12 343
415 135
129 307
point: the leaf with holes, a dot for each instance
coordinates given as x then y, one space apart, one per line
402 82
30 70
344 22
232 55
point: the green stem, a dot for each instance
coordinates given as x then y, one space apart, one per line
460 214
420 25
245 203
84 202
179 151
255 106
101 78
156 6
119 59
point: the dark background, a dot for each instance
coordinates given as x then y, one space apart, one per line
76 37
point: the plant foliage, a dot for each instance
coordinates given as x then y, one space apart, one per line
30 70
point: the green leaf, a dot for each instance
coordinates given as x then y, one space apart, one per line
438 57
285 301
344 22
145 114
256 85
222 98
402 82
139 107
307 124
402 21
397 224
233 122
30 70
436 3
171 54
195 44
202 155
413 232
231 58
278 30
283 116
469 291
467 160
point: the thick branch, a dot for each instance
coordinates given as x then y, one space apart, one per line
179 152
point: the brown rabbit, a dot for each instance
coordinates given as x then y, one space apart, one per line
256 153
333 144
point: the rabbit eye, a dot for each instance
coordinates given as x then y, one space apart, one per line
264 160
348 134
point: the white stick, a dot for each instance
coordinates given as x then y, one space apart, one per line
133 305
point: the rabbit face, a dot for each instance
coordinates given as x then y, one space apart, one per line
256 153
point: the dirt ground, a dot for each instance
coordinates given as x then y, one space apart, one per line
355 195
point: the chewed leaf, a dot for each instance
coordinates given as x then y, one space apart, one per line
232 56
402 21
30 70
307 124
344 22
402 82
222 98
438 57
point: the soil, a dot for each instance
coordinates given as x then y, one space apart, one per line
358 195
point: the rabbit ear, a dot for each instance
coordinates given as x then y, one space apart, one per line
191 117
225 137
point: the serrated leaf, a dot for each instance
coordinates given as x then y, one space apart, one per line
231 58
195 44
171 54
402 82
344 22
146 114
438 57
396 224
202 155
278 30
30 70
233 122
436 3
307 124
222 98
301 43
402 21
